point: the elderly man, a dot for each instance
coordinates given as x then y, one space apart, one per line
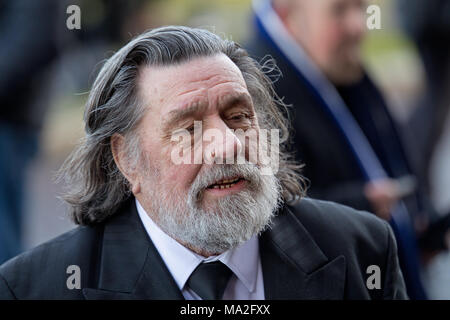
208 227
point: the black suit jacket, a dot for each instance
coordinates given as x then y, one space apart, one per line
314 250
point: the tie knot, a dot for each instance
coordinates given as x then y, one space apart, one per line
209 280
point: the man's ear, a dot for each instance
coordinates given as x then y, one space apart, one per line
123 162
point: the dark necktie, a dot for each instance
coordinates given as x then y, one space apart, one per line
209 280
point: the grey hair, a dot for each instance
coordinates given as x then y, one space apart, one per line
95 186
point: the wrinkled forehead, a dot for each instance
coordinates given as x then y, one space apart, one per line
200 80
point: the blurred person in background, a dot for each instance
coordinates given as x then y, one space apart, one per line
427 23
344 132
27 37
35 40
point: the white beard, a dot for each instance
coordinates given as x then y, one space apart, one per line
229 222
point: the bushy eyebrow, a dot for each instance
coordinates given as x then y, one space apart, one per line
198 107
179 114
233 100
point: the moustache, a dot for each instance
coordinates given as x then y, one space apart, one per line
226 172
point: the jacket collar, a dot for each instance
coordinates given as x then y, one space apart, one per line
293 265
131 267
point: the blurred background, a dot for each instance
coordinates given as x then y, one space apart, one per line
46 71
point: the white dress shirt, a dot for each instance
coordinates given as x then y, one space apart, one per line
246 283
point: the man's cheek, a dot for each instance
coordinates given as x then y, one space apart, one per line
181 176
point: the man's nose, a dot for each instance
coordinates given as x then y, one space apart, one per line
224 145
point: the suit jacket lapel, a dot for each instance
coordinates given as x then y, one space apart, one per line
130 266
294 267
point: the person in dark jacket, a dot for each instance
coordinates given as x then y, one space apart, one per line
213 227
28 47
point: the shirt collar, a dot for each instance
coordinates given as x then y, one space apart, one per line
181 261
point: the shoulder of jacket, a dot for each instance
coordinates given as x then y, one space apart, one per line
339 222
40 268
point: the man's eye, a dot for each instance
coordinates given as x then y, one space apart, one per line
190 128
238 117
